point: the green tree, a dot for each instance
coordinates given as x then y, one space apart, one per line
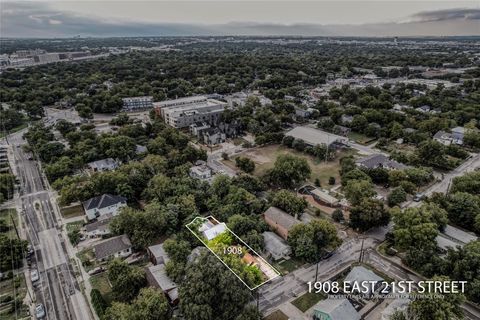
210 291
310 241
358 190
126 280
418 227
369 213
433 308
11 252
337 215
289 202
288 171
396 197
245 164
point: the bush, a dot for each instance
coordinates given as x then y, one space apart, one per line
396 197
331 181
317 182
337 215
224 156
98 302
245 164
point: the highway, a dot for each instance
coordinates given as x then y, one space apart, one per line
57 288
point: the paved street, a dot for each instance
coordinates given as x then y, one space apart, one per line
58 289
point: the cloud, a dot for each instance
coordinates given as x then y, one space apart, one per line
39 20
448 14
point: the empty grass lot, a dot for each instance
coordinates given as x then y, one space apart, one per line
276 315
7 215
264 158
101 283
72 211
307 300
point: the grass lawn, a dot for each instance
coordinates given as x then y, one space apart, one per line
287 266
14 288
265 157
23 126
308 300
88 259
101 283
360 138
74 226
276 315
5 215
73 211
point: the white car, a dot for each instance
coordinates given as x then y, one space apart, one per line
39 311
34 276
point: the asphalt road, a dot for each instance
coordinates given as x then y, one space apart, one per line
57 288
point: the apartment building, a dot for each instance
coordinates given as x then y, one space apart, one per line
137 103
183 112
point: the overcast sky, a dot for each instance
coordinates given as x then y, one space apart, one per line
111 17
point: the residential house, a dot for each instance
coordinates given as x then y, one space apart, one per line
324 198
448 138
379 161
280 221
198 128
139 149
423 109
104 206
397 305
341 130
275 246
200 171
335 309
210 230
157 277
346 119
213 136
360 274
98 228
107 164
116 247
157 254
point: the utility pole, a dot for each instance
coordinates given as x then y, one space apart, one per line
361 251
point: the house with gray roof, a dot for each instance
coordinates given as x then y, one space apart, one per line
107 164
157 277
275 246
158 254
360 274
448 138
116 247
104 206
379 161
98 228
335 309
313 137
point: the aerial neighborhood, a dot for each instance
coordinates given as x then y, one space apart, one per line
218 178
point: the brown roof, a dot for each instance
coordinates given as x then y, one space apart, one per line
281 217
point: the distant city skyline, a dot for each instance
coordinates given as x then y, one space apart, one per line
229 17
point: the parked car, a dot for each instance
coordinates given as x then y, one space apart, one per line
418 197
40 311
34 275
29 250
96 270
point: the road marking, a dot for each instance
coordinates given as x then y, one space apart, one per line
52 249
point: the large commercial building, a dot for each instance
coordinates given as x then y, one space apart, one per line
137 103
183 112
312 136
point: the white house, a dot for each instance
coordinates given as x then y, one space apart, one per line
98 228
104 206
210 230
200 171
